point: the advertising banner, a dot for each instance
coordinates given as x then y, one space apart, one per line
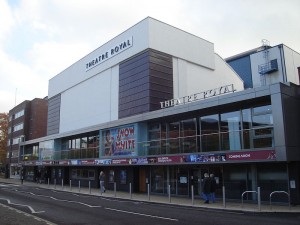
251 155
119 141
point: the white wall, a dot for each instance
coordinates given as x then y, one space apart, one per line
180 44
91 102
292 62
287 59
190 78
259 59
149 33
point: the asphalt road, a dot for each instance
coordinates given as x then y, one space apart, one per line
64 208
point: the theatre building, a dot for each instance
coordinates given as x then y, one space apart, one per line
157 106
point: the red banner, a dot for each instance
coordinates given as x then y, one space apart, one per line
251 155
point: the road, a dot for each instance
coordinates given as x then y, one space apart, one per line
64 208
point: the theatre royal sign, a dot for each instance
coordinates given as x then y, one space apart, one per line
198 96
109 53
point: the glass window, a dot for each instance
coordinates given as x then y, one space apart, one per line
77 143
84 142
18 127
262 123
230 131
163 149
189 136
19 114
209 126
246 118
157 179
262 116
173 139
47 150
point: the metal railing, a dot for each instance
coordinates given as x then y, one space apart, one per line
280 192
258 198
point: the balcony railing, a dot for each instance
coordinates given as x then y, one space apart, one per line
269 67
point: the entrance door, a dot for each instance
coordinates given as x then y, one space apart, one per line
142 180
182 181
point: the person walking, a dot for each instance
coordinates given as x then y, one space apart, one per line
206 188
213 187
102 182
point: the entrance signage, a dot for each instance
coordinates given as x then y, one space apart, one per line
252 155
109 53
198 96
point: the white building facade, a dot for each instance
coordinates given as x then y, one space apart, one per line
156 105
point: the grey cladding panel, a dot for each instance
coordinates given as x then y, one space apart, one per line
144 81
53 115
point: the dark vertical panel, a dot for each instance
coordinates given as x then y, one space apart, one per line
144 81
53 115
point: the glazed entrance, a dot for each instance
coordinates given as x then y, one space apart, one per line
181 179
235 178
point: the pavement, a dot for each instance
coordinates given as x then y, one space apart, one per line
220 204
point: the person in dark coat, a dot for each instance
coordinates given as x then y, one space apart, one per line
213 187
206 188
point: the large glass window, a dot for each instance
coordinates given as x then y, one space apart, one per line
153 145
209 126
262 123
189 136
230 131
47 150
262 116
173 139
246 126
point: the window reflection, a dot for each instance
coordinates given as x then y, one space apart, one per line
210 133
230 131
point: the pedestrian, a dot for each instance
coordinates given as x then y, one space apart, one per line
206 188
213 187
38 177
102 180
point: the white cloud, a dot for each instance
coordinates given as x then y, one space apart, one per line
6 21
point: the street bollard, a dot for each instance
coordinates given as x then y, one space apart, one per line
54 183
89 186
48 182
62 184
258 199
192 192
148 192
130 191
169 192
224 202
70 185
79 186
115 189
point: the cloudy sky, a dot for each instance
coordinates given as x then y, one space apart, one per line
40 38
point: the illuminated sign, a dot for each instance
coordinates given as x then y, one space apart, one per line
198 96
109 53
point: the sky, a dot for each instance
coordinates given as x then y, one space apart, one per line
41 38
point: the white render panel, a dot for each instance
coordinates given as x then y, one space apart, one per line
192 78
224 74
179 81
149 33
114 93
262 57
178 43
89 103
292 62
77 73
